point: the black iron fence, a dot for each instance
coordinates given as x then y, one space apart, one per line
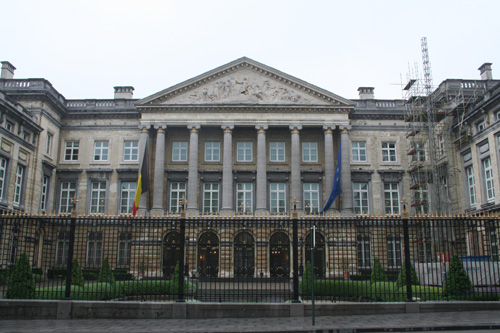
250 259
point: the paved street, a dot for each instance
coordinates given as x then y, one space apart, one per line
442 321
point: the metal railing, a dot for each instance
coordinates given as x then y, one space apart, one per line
252 259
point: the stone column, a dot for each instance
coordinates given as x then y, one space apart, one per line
159 178
192 189
227 170
143 140
329 162
261 192
345 173
296 183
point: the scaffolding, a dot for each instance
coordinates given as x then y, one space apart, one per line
437 125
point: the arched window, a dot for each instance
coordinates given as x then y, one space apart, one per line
171 253
208 255
244 255
279 255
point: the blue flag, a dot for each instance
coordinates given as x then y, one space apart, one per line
336 186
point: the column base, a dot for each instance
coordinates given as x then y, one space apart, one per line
157 211
261 212
226 212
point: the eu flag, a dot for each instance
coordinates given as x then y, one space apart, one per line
336 185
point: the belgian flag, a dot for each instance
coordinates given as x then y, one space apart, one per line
143 180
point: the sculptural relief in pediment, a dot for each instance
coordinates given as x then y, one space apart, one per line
245 87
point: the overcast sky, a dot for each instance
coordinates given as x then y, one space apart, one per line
85 48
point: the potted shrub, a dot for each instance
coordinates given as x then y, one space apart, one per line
344 265
143 267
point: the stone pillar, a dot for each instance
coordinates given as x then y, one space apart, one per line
345 173
143 140
159 178
261 192
227 170
192 189
296 183
329 162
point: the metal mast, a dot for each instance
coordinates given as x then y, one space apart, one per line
435 178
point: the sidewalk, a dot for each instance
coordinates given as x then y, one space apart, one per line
443 321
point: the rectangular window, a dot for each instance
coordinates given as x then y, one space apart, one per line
424 247
211 197
177 193
26 136
277 197
244 195
277 151
488 179
127 197
62 248
94 248
71 150
421 196
359 151
131 150
48 146
212 151
97 197
68 191
441 149
494 244
101 150
364 251
391 199
179 151
311 197
309 151
13 245
18 187
389 152
420 154
471 185
3 177
124 239
394 257
360 195
44 192
244 152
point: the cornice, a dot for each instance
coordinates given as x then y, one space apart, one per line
228 108
103 115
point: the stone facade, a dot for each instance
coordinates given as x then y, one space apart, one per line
243 137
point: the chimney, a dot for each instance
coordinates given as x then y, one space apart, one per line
366 93
485 71
7 70
124 92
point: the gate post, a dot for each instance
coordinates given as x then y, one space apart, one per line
295 253
180 291
407 262
69 264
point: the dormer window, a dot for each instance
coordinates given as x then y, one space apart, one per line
480 125
9 126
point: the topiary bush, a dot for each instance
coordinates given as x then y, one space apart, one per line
76 274
457 282
378 274
174 281
307 280
22 283
106 274
401 281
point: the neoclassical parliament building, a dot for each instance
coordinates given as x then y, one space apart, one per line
243 138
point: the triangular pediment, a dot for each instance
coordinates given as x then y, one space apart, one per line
244 81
